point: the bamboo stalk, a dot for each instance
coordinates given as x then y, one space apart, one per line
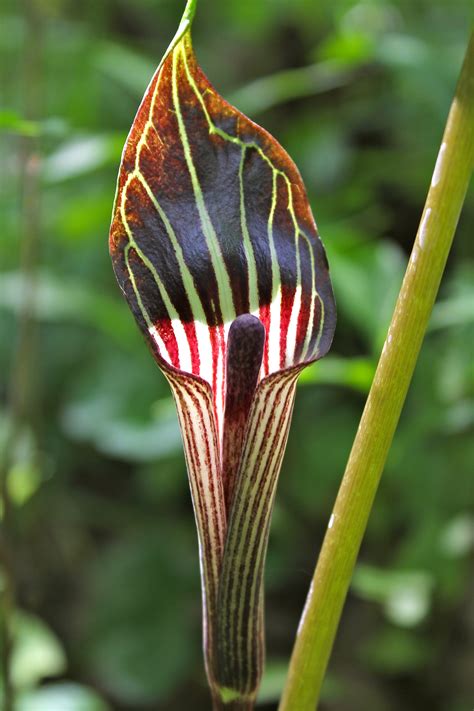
397 362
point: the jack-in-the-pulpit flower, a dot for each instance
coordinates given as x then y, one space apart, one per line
215 248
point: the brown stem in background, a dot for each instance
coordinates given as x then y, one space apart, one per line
22 392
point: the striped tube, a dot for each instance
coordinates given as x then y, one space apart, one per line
240 633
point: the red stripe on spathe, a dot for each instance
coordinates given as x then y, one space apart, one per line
190 330
167 335
265 318
287 301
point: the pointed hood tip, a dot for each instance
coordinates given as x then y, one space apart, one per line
184 26
190 11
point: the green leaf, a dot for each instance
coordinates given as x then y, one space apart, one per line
405 595
267 92
124 66
37 652
397 651
96 420
457 537
141 633
64 696
60 299
11 122
367 279
80 156
356 373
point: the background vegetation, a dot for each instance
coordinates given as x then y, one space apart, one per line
98 531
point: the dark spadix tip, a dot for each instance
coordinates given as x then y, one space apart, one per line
245 346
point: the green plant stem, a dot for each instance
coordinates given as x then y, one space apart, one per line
397 362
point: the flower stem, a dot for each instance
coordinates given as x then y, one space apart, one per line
385 401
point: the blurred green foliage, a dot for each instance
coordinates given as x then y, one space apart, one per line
104 552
